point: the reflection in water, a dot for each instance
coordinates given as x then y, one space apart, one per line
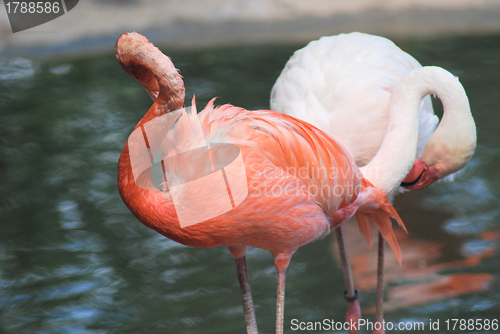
447 286
74 260
420 279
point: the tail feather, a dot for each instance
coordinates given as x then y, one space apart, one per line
373 206
365 227
395 215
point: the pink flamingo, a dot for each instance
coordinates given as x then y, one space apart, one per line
273 145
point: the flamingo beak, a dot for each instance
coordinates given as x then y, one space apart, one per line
420 176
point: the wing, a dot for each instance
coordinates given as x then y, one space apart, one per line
300 149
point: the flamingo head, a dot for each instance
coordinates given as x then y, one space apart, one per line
450 147
147 64
440 160
452 144
421 175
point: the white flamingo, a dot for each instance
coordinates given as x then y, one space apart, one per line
355 87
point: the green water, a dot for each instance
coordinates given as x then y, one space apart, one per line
73 259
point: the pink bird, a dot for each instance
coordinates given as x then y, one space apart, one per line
279 152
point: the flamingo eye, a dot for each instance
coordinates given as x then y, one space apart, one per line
438 166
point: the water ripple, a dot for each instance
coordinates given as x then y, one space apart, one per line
16 69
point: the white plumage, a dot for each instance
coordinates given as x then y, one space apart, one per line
342 84
373 98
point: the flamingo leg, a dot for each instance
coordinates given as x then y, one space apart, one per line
280 302
246 295
379 313
351 294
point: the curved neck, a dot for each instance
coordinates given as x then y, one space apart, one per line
154 71
397 153
452 144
